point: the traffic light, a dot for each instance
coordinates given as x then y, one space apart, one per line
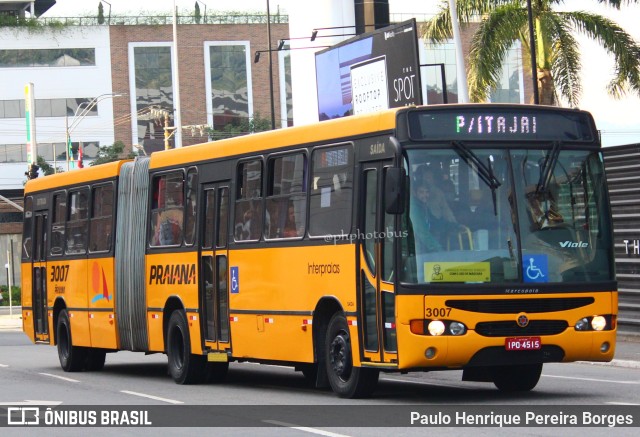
33 172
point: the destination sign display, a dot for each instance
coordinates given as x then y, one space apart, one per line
500 124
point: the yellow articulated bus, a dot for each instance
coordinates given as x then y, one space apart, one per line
473 237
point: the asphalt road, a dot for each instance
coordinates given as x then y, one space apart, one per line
30 374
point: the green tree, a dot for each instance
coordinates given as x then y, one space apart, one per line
100 13
557 52
244 126
111 153
196 14
46 168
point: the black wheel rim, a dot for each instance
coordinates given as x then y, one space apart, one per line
340 356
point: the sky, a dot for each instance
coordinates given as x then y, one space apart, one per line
617 119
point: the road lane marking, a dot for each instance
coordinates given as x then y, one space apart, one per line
59 377
608 381
170 401
4 365
305 428
620 403
31 403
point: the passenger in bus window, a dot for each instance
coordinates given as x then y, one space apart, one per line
438 202
421 220
290 227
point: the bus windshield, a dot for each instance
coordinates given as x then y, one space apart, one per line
500 215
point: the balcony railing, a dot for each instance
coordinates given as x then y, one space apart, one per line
149 20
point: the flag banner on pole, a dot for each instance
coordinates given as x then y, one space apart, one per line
70 153
80 156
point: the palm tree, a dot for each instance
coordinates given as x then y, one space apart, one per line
502 22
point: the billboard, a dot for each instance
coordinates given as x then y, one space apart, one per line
371 72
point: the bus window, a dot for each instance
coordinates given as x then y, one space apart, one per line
58 223
286 196
167 210
77 225
101 228
190 211
209 220
331 191
248 208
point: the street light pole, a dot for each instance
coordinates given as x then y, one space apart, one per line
534 62
78 117
177 119
273 108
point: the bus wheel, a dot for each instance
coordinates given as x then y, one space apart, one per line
346 380
95 359
71 357
516 378
184 367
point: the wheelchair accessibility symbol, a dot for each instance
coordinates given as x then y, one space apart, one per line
235 280
535 268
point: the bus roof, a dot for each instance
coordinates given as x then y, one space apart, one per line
76 177
255 143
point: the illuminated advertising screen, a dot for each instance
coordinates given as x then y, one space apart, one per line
368 73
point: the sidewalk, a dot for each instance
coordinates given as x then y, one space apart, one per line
627 347
11 322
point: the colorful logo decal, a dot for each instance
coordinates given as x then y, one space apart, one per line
99 282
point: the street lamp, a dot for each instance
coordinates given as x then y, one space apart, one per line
79 116
281 47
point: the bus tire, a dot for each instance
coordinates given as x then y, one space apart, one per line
346 380
72 358
184 367
516 378
95 359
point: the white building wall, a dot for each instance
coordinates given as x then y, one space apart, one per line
56 82
327 13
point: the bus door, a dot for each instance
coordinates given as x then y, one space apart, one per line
377 297
214 283
39 277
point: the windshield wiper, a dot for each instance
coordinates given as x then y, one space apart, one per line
485 171
547 167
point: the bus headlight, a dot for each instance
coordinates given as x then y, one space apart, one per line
436 327
582 324
598 323
457 328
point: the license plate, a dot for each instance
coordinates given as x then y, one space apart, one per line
522 343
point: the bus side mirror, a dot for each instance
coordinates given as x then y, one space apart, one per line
393 190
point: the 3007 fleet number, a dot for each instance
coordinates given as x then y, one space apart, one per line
437 312
59 273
